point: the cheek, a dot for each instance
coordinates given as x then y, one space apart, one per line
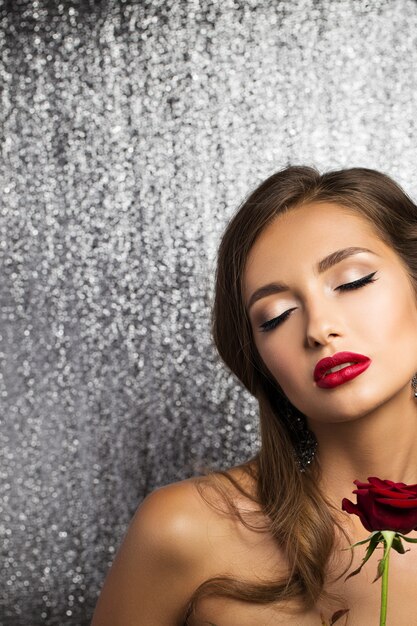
391 320
387 331
381 324
282 360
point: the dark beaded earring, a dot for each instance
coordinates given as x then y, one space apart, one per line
414 384
306 443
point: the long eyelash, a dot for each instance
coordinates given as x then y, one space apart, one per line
358 283
270 324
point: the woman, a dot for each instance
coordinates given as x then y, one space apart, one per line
316 313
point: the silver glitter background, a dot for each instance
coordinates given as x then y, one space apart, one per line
130 133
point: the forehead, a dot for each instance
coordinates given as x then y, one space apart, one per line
298 239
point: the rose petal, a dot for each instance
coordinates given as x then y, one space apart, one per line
361 485
349 506
367 504
398 504
361 491
377 482
352 508
409 488
392 494
384 505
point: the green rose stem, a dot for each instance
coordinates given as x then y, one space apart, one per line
392 506
389 539
389 536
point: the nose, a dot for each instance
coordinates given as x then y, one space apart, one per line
322 325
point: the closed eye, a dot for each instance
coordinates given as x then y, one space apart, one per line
358 283
271 324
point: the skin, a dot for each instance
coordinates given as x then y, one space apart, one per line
368 425
365 427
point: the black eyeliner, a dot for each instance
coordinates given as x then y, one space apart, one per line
270 324
358 283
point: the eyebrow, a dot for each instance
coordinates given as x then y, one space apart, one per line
322 266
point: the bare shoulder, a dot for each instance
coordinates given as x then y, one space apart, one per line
156 567
172 519
180 536
179 516
171 546
180 511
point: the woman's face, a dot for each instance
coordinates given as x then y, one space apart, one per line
378 319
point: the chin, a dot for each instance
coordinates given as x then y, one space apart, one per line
340 416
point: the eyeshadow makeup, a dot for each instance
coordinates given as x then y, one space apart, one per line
130 133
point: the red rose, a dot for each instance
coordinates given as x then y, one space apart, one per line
384 505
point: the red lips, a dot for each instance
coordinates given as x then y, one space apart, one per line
337 359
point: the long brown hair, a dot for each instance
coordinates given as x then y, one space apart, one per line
299 515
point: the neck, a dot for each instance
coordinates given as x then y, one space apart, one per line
382 443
